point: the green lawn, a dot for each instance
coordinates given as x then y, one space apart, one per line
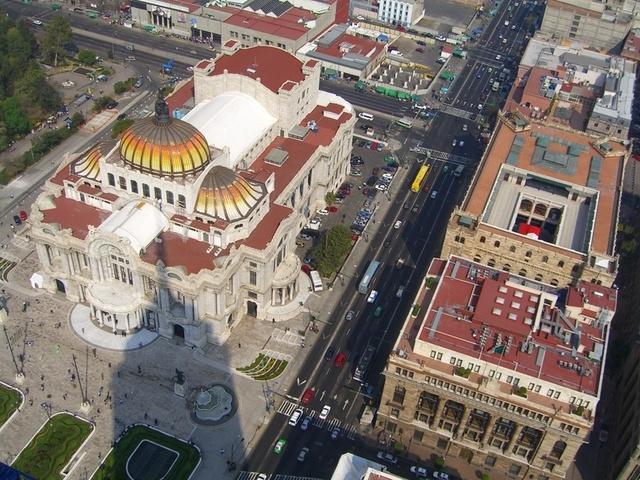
9 403
53 446
114 465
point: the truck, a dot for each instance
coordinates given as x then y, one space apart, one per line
458 171
316 281
167 67
80 100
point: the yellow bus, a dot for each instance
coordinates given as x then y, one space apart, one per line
419 180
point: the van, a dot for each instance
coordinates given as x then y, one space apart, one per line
295 417
365 116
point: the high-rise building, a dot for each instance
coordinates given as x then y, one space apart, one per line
498 370
400 12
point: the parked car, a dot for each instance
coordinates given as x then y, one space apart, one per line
387 457
17 220
349 316
372 296
341 358
23 215
419 472
331 351
441 475
324 212
279 447
302 456
335 433
295 417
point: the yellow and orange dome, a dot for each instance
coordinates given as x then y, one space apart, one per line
88 164
163 146
226 195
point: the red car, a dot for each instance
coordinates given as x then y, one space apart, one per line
333 209
309 393
23 215
306 268
340 359
374 146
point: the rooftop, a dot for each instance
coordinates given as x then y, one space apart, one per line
518 324
74 215
175 250
293 24
257 63
553 179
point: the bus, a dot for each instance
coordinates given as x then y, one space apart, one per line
368 277
405 122
419 180
316 281
363 364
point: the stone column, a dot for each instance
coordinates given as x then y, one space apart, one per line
514 438
438 413
488 429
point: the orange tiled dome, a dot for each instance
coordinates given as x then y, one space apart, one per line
164 146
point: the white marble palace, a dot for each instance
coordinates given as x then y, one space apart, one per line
187 225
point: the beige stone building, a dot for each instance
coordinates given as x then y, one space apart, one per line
544 204
498 370
186 226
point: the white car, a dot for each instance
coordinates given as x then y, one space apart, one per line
461 144
397 224
441 38
397 53
419 472
441 475
37 22
387 457
434 194
465 127
400 291
480 106
455 142
323 212
295 417
372 296
498 57
388 176
314 222
325 412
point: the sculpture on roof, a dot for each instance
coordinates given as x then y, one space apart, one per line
162 116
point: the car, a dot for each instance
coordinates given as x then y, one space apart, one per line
262 476
306 269
112 104
130 58
379 147
341 358
295 417
455 142
419 472
513 27
37 22
308 395
465 127
279 447
397 224
131 47
400 291
461 144
378 311
304 426
372 296
498 57
421 43
420 50
304 237
138 83
324 212
302 456
441 475
480 106
23 215
349 316
387 457
122 116
397 53
331 351
335 433
434 194
325 412
314 222
415 209
373 146
332 209
603 435
441 38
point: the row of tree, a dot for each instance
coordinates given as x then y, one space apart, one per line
25 95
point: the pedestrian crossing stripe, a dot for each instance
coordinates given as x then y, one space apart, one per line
274 476
286 408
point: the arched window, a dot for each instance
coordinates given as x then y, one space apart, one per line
522 272
540 209
507 267
545 259
491 262
554 282
512 249
496 244
558 449
538 278
526 205
561 264
483 239
477 258
528 254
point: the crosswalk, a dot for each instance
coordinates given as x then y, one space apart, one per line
287 407
456 112
5 268
268 476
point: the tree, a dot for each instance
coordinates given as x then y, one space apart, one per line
332 250
77 119
87 57
101 103
57 34
330 198
15 119
120 126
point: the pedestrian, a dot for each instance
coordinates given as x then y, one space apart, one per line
83 330
239 345
222 451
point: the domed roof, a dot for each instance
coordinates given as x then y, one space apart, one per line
88 164
164 146
228 196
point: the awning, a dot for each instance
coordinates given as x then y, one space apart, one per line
330 71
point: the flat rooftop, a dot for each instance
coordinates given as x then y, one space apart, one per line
548 333
550 184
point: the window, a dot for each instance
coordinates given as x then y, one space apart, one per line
496 244
418 436
490 461
545 259
253 277
442 444
182 203
390 427
111 179
528 254
558 449
512 249
398 394
157 193
395 412
169 197
145 190
122 182
134 186
560 264
515 469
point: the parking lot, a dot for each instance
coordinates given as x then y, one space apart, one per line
421 53
442 15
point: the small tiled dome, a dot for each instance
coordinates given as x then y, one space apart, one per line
228 196
88 164
164 146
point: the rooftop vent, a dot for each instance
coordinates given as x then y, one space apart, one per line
277 156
